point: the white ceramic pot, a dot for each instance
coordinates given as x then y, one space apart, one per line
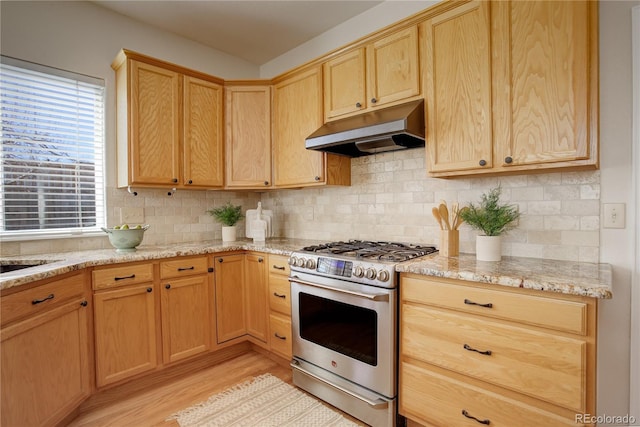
489 248
229 233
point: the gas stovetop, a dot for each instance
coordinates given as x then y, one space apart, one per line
359 261
369 250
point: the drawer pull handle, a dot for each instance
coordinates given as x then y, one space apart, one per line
277 267
466 414
469 302
275 294
280 337
125 277
38 301
468 347
186 268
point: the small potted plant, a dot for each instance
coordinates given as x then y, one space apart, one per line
492 219
228 215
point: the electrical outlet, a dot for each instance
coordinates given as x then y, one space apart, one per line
614 215
131 215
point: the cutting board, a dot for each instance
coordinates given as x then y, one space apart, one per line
251 215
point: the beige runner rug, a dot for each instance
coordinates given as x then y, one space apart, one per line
264 401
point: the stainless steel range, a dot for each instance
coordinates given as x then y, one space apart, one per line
345 320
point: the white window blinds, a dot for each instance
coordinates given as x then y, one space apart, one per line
52 160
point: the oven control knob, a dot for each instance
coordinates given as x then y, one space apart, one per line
371 273
300 262
311 264
358 271
292 260
383 275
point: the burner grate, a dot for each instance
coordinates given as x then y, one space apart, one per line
363 249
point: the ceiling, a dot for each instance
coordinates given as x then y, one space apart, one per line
257 31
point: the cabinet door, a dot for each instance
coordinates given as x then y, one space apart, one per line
203 138
297 113
255 280
344 84
393 68
546 89
457 88
125 332
248 136
45 366
154 128
186 317
230 300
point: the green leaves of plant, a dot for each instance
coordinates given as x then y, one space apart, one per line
227 215
490 216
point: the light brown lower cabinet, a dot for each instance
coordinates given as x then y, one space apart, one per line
280 306
45 362
125 332
255 282
476 353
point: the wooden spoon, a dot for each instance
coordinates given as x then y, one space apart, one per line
436 215
459 219
444 213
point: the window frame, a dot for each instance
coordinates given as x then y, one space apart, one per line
99 176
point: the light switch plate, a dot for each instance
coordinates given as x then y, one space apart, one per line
614 215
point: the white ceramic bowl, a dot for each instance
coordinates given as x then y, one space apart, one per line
125 240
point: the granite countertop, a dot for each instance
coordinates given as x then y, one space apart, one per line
566 277
574 278
59 263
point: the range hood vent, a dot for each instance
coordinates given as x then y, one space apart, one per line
393 128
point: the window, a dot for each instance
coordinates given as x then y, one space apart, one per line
52 161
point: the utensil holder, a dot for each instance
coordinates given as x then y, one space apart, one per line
449 243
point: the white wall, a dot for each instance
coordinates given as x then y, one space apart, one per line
616 184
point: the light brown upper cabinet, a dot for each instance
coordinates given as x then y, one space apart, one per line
169 124
511 87
297 112
248 136
380 73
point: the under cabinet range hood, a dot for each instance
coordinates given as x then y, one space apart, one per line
388 129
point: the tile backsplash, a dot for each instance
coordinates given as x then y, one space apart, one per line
390 199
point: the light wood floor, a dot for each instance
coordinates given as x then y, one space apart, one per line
150 406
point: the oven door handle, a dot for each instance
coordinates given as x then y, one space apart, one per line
377 404
373 297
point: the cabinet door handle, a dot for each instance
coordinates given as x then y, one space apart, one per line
174 180
149 289
508 159
260 259
277 267
485 422
266 183
373 100
186 268
84 303
190 181
482 162
167 286
469 348
358 105
469 302
317 178
275 294
280 337
219 259
124 277
39 301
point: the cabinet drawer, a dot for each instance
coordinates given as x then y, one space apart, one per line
183 267
280 295
436 399
279 264
536 363
48 295
280 340
561 315
122 276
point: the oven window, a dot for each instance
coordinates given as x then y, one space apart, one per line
341 327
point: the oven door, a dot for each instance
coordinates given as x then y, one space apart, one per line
347 329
